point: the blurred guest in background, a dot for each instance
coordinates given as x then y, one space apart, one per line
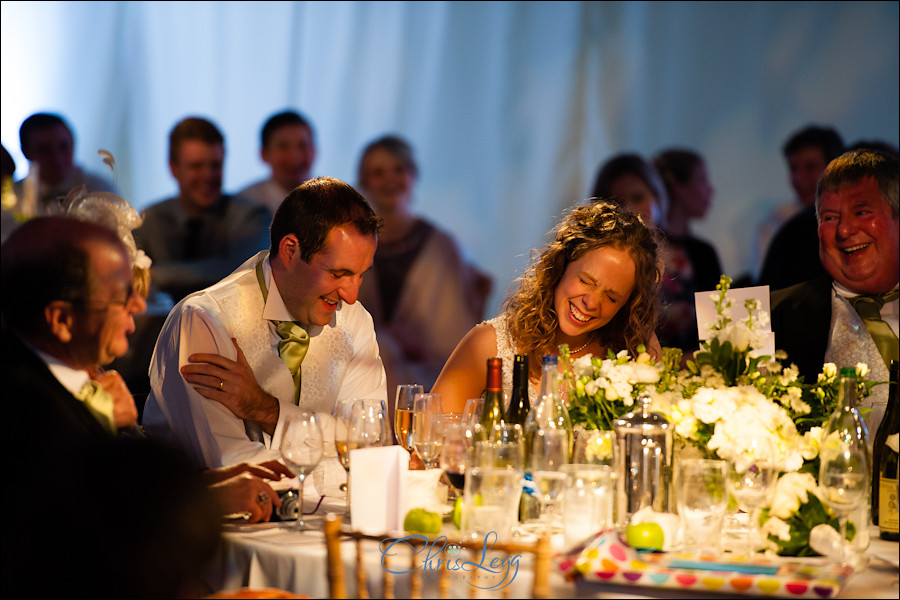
201 235
289 149
49 145
421 292
595 287
791 256
850 314
632 182
693 262
7 196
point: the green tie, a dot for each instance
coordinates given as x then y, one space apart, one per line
294 340
869 308
292 348
99 402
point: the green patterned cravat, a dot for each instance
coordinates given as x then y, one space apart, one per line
869 308
294 340
99 402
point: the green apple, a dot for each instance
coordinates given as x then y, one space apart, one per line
419 520
645 536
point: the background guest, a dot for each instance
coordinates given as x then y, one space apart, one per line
822 320
693 262
289 149
791 256
421 292
593 287
49 145
632 182
201 235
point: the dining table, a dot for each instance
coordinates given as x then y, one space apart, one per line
272 555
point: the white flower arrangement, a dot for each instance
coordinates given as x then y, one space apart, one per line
732 402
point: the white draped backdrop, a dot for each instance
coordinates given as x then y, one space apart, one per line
511 106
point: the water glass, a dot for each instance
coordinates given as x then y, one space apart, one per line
493 486
595 447
701 496
588 501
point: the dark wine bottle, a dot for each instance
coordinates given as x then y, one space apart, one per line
885 465
492 415
519 404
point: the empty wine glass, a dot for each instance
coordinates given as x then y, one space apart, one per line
301 448
367 427
749 481
472 411
844 467
549 452
404 403
427 428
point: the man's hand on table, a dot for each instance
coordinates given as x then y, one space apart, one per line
272 470
248 494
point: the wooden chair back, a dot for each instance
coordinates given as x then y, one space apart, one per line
335 533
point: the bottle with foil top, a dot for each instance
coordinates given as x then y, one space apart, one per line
493 414
644 461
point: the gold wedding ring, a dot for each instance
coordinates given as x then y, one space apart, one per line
221 384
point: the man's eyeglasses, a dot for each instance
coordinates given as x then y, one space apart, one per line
100 306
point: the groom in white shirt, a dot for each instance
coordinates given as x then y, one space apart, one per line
219 386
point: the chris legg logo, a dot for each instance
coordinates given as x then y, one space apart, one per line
507 567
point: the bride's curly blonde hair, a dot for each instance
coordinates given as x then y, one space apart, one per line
529 312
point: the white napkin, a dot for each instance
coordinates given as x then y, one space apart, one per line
377 488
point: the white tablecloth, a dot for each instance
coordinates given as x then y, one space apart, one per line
269 555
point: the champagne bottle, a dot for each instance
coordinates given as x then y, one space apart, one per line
885 463
519 404
492 415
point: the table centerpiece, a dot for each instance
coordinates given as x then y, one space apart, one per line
730 402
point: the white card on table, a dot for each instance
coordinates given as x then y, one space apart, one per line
377 488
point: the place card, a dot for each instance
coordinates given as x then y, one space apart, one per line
378 488
706 311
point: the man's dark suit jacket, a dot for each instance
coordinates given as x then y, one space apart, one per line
46 419
801 320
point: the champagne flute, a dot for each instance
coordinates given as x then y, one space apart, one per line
749 481
341 430
427 428
844 468
404 403
301 448
549 452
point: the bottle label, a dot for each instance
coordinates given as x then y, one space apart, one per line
888 516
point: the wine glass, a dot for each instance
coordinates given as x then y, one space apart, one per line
472 411
455 453
549 452
427 428
368 427
844 465
749 481
301 448
404 403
